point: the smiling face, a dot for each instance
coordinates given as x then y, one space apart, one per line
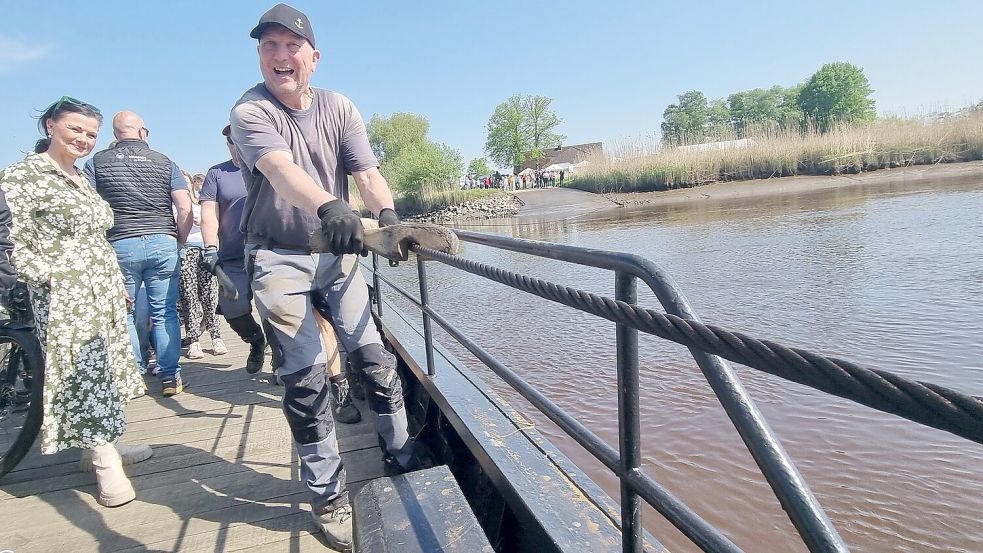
287 61
72 134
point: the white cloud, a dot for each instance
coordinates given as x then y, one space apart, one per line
13 52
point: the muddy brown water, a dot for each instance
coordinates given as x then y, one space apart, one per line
888 276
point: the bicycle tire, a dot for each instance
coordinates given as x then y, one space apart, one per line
26 351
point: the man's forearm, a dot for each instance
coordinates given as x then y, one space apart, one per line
209 223
374 190
293 183
184 222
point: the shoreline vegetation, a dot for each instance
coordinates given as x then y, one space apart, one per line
859 148
629 176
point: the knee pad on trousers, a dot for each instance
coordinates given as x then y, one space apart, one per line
382 387
307 404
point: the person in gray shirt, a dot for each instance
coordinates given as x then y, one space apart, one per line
297 145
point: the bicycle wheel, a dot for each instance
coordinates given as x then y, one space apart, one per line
21 386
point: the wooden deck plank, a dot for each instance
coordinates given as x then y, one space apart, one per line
224 475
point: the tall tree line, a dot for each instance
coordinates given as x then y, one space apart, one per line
838 93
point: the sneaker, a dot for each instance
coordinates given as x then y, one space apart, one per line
336 525
218 347
257 356
342 408
194 351
172 386
130 454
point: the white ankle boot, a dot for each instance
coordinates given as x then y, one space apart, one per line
130 454
114 487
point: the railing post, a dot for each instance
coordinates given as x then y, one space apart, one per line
375 284
424 304
629 427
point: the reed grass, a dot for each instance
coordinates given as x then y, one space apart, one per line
639 167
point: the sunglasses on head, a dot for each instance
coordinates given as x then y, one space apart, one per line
75 102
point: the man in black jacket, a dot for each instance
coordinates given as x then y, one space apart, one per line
142 185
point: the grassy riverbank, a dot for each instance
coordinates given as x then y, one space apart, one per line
881 144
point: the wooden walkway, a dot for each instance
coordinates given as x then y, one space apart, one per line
223 477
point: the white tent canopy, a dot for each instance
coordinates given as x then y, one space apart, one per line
527 171
558 167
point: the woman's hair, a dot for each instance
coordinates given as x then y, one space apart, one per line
66 104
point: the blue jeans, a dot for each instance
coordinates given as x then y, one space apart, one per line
152 260
141 319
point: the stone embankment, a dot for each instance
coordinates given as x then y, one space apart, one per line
492 207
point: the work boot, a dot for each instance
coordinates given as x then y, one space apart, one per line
419 460
114 487
249 330
342 408
257 355
129 454
336 525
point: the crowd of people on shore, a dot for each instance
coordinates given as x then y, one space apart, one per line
118 253
525 180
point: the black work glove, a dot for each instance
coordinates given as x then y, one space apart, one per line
342 229
209 259
388 217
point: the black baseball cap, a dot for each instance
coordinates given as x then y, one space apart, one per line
292 19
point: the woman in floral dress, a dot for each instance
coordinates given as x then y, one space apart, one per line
60 250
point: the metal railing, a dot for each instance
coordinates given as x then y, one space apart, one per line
808 517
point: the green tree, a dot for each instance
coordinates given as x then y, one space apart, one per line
790 115
520 129
540 122
719 125
389 136
686 122
757 107
837 93
479 166
508 135
408 159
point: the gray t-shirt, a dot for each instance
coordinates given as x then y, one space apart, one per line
327 140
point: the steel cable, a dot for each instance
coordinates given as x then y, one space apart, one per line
924 403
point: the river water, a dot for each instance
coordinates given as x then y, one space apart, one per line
889 276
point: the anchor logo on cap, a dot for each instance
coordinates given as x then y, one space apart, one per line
299 23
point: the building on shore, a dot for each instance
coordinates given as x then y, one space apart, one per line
561 155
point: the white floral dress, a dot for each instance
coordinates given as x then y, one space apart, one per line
60 250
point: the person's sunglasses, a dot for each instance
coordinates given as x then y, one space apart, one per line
146 131
75 102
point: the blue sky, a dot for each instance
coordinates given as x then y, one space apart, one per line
611 68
